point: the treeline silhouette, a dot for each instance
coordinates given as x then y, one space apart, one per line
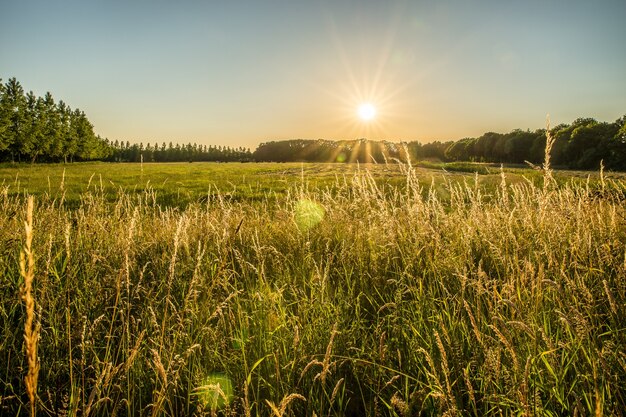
358 150
579 145
39 129
176 152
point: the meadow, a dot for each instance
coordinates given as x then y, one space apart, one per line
311 290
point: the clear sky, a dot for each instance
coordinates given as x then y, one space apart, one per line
242 72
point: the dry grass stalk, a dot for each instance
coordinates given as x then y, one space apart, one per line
400 405
99 386
548 179
470 388
602 181
445 369
473 322
503 187
609 296
296 336
158 366
433 373
524 394
162 374
282 408
508 346
134 351
336 390
31 330
326 362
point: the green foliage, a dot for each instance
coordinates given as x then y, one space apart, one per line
180 153
35 128
4 118
581 145
303 150
442 294
13 107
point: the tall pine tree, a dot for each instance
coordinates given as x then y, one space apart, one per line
15 103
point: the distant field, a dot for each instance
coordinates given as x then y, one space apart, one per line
179 184
311 290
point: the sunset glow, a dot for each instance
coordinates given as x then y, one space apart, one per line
241 73
366 112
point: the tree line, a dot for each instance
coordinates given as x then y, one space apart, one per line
358 150
322 150
583 144
39 129
127 152
579 145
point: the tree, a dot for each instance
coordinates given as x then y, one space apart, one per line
459 150
518 145
538 148
65 114
30 145
15 104
87 145
51 146
4 119
617 146
561 135
72 137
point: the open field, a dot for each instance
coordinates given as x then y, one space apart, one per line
315 289
180 184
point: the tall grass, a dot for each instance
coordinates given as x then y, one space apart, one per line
31 330
447 298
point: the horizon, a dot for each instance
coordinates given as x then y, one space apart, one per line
240 75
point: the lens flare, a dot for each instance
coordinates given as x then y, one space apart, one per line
308 214
216 392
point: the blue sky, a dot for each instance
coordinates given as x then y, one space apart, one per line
242 72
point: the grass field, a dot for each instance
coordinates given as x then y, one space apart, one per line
180 184
315 289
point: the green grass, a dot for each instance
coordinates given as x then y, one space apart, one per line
179 184
315 290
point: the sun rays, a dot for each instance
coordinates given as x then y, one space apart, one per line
366 112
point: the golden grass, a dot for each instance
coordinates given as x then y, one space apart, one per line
448 297
31 330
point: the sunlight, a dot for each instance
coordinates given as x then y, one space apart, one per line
366 112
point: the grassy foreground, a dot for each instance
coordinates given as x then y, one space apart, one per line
365 298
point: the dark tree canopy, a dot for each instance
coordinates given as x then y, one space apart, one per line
580 145
191 152
321 150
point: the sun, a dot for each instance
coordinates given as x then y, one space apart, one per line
366 111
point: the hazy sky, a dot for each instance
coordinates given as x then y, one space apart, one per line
242 72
